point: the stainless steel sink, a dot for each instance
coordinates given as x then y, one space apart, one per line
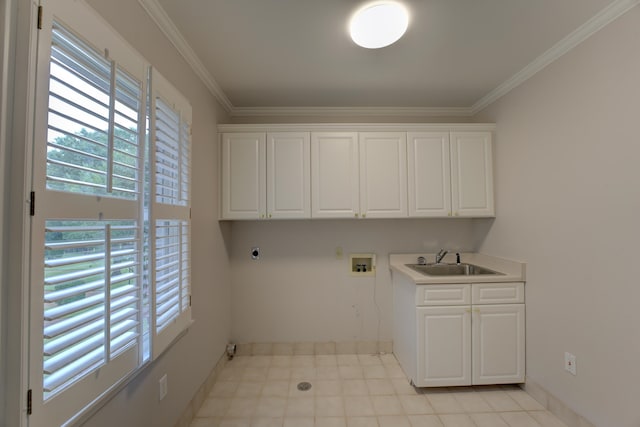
452 269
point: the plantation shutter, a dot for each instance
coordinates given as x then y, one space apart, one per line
170 213
87 252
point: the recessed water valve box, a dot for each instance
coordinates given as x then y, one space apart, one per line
363 264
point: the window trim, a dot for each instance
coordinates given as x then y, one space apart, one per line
161 88
86 27
77 396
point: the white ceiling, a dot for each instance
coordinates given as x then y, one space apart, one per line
456 54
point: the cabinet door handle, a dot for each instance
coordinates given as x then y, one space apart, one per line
269 215
356 215
364 215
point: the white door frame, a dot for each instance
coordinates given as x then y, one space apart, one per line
17 74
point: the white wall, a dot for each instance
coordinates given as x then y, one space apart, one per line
568 201
299 292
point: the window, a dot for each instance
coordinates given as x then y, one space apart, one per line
110 239
170 212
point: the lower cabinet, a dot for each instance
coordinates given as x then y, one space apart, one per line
444 346
497 344
479 340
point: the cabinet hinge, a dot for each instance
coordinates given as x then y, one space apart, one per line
32 203
29 402
39 17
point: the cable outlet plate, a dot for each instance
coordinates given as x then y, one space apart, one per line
570 363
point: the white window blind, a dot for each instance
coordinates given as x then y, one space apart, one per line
93 121
110 239
170 212
92 272
86 294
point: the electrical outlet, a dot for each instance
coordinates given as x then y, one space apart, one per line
570 363
163 387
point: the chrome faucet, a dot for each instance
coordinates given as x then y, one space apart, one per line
440 255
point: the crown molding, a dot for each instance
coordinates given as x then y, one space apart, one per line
166 25
352 111
596 23
583 32
358 127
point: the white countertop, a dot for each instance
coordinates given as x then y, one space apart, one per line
512 271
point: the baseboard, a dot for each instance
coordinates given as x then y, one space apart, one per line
311 348
555 405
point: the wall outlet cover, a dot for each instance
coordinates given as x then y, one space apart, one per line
163 387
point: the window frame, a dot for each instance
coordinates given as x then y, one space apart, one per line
88 25
162 89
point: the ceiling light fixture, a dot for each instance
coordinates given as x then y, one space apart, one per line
379 24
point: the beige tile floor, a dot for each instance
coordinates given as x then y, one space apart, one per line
355 391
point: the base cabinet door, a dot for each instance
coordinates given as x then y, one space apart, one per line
444 346
498 344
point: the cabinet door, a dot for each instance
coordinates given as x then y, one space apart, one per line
243 176
334 175
288 175
471 174
498 344
383 174
429 172
444 346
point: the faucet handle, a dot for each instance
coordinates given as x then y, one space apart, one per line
422 260
440 255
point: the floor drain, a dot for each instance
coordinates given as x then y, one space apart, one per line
304 386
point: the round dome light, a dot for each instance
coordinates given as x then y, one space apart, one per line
379 24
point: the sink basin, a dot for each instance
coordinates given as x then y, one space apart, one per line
452 269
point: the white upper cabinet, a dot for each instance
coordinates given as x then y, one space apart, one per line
266 175
333 171
429 172
450 174
243 165
383 174
471 174
334 175
288 175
